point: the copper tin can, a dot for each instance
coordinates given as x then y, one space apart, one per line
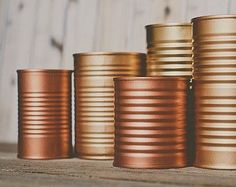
94 99
150 122
215 85
169 50
44 114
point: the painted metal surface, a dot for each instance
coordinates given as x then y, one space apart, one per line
150 122
215 90
44 114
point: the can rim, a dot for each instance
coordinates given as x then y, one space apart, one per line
168 25
108 53
44 70
150 78
209 17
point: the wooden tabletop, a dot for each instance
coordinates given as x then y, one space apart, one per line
76 172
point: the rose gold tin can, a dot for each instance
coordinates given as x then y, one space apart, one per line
169 50
215 90
150 122
94 99
44 114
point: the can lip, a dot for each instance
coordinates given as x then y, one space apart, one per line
167 25
150 78
44 70
108 53
219 16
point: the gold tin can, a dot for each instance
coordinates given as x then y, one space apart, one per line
44 114
94 99
150 122
169 50
215 89
214 48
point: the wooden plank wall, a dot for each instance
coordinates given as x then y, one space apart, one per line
45 33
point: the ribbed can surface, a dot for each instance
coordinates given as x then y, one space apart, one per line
94 99
169 50
150 122
215 90
44 114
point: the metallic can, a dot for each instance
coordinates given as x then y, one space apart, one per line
44 114
150 122
215 89
214 48
169 50
94 99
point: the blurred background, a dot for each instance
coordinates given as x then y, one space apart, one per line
45 34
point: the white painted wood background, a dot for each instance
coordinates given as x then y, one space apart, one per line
45 33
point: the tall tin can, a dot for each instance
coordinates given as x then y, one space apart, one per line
215 90
94 99
169 50
44 114
150 122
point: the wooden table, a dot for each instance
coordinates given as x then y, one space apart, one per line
76 172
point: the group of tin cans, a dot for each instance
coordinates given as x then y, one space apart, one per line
140 111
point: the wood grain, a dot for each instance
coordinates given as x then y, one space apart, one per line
45 33
77 172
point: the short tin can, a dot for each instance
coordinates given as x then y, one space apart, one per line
150 122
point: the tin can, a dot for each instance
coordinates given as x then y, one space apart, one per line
214 48
169 50
150 122
94 99
44 114
215 85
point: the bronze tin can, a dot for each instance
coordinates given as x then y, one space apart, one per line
150 122
94 99
44 114
169 50
215 84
